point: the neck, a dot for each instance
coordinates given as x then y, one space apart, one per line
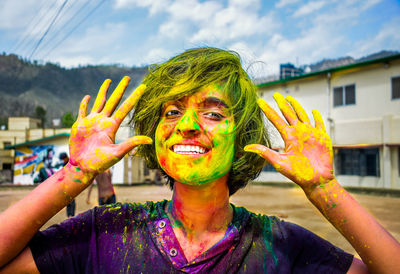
201 209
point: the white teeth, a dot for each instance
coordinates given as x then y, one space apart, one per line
185 149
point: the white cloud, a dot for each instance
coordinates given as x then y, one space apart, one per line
387 38
245 4
100 41
171 29
156 55
193 10
369 4
309 8
284 3
154 6
13 13
234 22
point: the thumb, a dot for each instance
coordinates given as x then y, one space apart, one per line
268 154
126 146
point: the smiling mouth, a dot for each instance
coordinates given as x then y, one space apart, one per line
189 149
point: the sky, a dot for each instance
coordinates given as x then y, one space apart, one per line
140 32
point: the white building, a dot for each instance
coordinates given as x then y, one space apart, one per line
360 104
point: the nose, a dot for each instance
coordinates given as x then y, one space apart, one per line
189 124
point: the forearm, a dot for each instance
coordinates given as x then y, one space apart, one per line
377 248
22 220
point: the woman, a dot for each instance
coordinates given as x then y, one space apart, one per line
202 112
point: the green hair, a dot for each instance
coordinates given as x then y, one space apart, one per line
191 70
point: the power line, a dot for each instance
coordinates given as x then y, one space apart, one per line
22 38
76 26
51 24
33 26
67 22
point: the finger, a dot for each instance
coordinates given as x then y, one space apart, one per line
301 113
268 154
83 107
286 109
101 96
126 146
319 122
128 104
116 96
271 114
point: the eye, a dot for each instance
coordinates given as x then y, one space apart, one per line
172 113
214 116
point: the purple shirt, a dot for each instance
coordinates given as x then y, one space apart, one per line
135 238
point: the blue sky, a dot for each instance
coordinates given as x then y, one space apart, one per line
137 32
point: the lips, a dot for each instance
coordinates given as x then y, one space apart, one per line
189 149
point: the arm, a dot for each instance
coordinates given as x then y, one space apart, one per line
308 161
92 150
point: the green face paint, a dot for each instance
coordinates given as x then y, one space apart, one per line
195 137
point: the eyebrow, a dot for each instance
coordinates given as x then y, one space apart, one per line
215 101
212 100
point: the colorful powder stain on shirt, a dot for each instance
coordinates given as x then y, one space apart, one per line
141 239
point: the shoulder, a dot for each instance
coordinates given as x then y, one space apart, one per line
127 212
273 229
305 251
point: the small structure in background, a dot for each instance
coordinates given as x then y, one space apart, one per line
56 123
289 70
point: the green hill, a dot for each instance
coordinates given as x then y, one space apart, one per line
25 85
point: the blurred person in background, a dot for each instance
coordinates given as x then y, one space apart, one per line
105 189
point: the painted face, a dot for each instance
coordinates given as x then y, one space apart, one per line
194 139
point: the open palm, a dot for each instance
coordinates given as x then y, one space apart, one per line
307 157
92 142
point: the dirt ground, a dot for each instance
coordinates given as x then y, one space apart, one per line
289 204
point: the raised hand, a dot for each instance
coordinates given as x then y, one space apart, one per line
307 157
92 142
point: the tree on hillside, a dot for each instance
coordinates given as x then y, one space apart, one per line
67 120
40 113
3 122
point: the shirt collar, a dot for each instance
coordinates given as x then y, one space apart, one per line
163 236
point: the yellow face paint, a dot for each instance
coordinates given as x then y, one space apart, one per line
195 137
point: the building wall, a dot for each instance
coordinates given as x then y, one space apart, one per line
21 123
373 92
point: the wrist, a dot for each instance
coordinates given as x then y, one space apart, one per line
77 175
324 189
328 197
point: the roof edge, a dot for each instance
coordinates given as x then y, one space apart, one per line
319 72
37 140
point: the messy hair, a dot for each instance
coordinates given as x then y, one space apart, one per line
189 71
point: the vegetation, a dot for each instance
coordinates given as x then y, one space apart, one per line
67 120
40 113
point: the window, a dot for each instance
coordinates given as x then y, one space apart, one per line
344 95
7 166
396 87
360 162
5 144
